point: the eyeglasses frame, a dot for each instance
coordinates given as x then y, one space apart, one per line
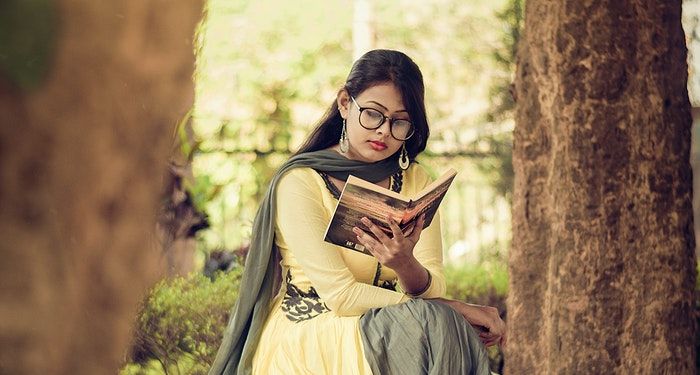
391 121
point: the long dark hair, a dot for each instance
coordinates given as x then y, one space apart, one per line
373 68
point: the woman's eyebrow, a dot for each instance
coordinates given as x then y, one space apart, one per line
372 101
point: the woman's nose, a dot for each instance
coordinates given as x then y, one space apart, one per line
385 126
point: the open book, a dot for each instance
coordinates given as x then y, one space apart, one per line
362 198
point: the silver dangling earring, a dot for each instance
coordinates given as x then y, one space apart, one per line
344 144
403 159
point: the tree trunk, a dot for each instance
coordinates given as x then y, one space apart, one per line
82 157
363 31
603 265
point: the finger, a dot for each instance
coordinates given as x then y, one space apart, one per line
481 329
369 249
395 229
417 229
381 236
494 339
366 240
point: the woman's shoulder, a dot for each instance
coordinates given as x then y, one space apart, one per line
300 178
300 172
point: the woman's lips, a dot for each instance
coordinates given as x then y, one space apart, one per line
378 146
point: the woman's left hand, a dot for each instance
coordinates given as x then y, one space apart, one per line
487 320
393 252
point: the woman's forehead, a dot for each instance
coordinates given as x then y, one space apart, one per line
386 95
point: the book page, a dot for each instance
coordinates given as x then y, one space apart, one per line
428 203
445 178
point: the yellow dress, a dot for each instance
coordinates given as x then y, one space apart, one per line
313 325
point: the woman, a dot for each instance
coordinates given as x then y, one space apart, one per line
309 307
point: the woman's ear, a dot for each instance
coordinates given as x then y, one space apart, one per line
343 100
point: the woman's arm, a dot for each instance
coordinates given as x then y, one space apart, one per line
428 252
396 251
417 258
301 223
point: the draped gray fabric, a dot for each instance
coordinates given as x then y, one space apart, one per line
261 276
421 337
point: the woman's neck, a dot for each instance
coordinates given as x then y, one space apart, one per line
340 183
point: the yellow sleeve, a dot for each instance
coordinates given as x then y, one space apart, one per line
428 250
301 222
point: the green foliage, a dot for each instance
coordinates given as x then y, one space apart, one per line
261 84
27 37
203 190
263 81
485 284
499 166
179 326
450 40
504 59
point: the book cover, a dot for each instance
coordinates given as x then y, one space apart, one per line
361 198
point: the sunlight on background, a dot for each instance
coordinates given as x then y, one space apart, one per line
267 71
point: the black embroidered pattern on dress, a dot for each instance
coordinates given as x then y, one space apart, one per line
388 284
397 181
299 305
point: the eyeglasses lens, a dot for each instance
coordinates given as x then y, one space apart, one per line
372 119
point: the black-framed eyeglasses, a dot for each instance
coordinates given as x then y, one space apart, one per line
371 119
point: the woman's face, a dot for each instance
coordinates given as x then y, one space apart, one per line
376 144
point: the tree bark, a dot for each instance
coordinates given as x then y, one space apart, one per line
602 266
81 163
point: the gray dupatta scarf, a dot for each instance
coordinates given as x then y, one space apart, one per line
262 275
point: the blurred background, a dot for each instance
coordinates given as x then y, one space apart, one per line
90 93
265 73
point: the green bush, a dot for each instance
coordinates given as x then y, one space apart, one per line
180 324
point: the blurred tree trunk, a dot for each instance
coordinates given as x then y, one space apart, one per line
363 30
82 160
603 265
